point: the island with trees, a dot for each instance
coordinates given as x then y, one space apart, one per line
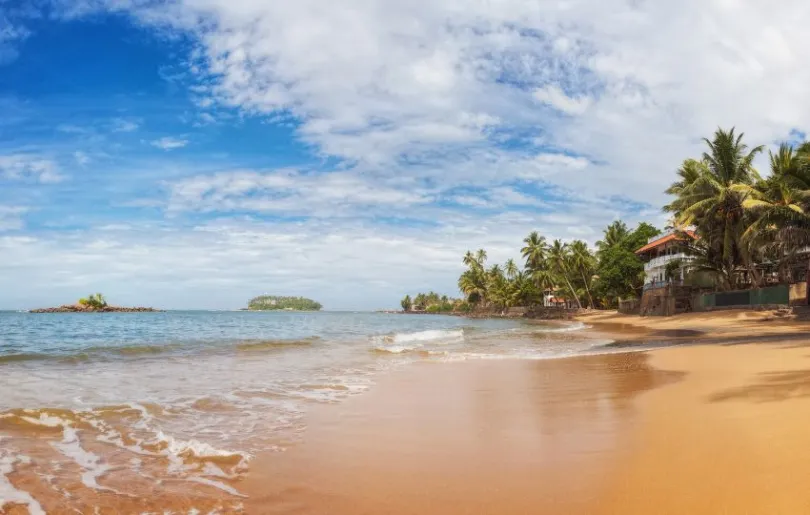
93 303
276 303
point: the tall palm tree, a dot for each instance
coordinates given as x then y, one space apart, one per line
614 234
778 210
559 258
510 268
535 250
709 196
583 261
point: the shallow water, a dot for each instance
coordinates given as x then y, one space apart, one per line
131 412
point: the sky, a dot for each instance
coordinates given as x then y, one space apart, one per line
196 153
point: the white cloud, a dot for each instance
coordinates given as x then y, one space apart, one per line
378 82
12 31
582 101
289 192
11 217
124 125
169 143
556 98
81 157
342 262
68 128
26 166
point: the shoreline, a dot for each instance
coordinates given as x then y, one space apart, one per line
583 434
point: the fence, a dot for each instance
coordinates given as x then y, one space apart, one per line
773 295
630 306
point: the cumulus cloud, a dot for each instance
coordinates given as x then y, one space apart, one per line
169 143
408 80
29 167
561 115
220 264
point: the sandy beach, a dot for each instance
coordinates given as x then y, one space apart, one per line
686 429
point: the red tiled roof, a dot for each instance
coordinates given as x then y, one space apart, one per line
665 239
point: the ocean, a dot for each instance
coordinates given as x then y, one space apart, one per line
162 412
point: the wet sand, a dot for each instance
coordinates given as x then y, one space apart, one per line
476 437
697 429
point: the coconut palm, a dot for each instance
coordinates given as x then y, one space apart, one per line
534 251
583 261
614 234
559 259
511 269
709 197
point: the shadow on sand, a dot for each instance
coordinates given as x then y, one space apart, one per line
773 386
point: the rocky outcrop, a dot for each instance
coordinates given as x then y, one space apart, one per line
78 308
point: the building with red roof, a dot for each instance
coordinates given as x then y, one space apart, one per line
659 252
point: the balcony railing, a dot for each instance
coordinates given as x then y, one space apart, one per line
662 284
663 260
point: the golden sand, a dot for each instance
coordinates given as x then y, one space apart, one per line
477 437
694 429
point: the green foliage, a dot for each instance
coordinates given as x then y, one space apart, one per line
673 268
744 222
94 300
620 270
406 303
274 303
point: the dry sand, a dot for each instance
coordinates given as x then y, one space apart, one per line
695 429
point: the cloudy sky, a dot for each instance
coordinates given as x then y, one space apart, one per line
194 153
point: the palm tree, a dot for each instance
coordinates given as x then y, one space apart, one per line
510 268
583 261
535 250
709 196
778 209
559 258
614 234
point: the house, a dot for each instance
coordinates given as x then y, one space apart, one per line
659 252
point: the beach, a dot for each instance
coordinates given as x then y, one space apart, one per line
686 429
371 413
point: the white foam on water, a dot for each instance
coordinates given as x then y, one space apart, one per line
179 447
46 420
433 336
8 493
216 484
92 465
404 342
575 326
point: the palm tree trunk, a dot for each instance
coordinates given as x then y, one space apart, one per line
587 290
807 283
573 292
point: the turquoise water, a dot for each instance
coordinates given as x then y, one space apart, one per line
99 403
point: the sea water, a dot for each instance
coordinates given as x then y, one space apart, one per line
131 412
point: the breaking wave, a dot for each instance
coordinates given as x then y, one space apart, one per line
399 343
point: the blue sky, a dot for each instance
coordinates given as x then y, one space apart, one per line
194 153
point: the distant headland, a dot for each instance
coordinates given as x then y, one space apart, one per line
274 303
94 303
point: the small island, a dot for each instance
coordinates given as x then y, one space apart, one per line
93 303
274 303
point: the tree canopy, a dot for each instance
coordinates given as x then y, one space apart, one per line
274 303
